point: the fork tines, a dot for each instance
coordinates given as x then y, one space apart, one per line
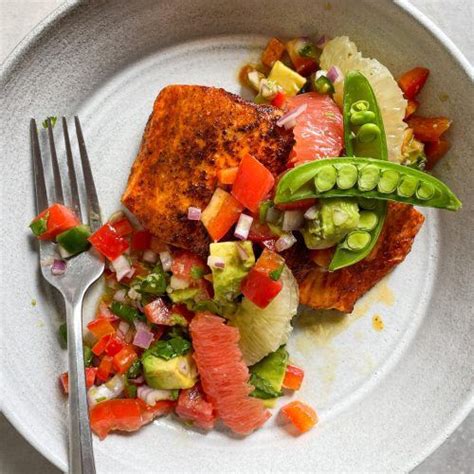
42 201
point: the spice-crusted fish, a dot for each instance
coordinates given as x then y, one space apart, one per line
192 133
321 289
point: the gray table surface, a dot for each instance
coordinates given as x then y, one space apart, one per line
455 18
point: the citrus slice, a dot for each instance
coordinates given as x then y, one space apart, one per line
343 53
264 330
224 376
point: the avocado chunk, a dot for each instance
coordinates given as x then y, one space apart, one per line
226 281
290 81
268 374
176 373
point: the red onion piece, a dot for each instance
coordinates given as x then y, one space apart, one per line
285 242
166 261
123 328
120 295
143 338
138 380
194 213
243 227
334 74
215 262
292 220
311 213
58 267
243 254
122 267
150 256
290 117
150 395
323 41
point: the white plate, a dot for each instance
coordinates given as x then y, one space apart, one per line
386 399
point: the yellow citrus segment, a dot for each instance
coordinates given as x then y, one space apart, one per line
343 53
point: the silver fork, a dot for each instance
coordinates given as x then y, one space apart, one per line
81 272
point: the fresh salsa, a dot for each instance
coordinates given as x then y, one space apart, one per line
203 334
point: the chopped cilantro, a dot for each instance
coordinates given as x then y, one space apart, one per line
308 51
53 119
125 312
276 274
169 349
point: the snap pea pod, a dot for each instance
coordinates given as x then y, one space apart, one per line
371 178
364 135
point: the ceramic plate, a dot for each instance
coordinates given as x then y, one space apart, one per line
385 399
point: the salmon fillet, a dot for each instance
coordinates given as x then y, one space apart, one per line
340 290
193 132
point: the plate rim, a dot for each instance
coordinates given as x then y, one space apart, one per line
66 9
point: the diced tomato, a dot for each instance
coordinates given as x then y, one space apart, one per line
125 415
141 240
322 257
413 81
187 265
260 232
101 344
293 377
90 373
100 327
279 100
253 183
221 214
273 52
263 282
108 242
124 359
122 226
434 151
158 313
105 368
301 416
303 204
227 175
114 345
57 218
428 129
412 106
303 55
192 406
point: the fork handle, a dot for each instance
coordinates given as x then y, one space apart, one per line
81 455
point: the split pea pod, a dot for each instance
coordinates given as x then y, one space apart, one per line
364 135
370 178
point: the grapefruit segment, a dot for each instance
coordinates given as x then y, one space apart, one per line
224 375
319 130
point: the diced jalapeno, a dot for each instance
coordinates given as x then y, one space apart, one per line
360 118
425 191
368 178
125 312
357 240
88 356
39 226
367 220
388 181
346 176
75 240
325 179
407 186
323 85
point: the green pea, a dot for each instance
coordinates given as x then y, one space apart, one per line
346 176
357 240
367 220
359 118
368 133
388 181
359 106
425 191
325 179
368 177
407 186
